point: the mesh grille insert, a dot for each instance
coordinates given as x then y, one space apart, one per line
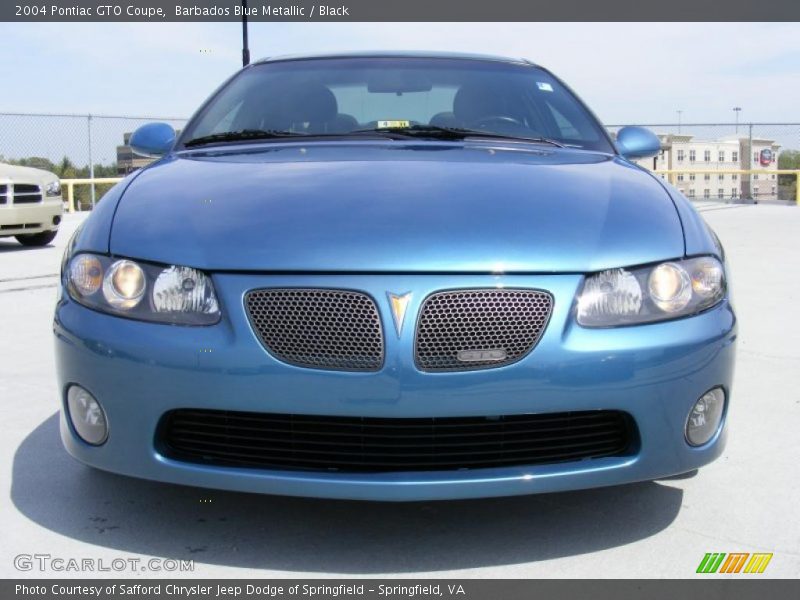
318 328
478 329
380 445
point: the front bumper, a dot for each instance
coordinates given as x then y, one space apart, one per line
16 219
139 371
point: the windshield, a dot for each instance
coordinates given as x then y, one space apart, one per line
423 96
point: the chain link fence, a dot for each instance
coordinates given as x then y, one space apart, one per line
74 146
95 146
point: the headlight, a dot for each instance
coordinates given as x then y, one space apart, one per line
166 294
53 188
646 294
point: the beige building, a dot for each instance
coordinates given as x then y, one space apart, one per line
702 166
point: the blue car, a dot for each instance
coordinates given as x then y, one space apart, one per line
394 276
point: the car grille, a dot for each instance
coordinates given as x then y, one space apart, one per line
318 328
25 193
377 445
478 329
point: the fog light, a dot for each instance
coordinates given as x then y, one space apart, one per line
705 417
87 416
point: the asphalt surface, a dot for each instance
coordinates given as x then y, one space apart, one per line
747 501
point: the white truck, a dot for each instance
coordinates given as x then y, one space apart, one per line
31 207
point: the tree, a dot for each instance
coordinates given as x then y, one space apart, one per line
788 159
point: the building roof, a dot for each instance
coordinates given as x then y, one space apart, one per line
396 54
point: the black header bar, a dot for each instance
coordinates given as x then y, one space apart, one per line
402 10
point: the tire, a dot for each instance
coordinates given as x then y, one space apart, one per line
37 239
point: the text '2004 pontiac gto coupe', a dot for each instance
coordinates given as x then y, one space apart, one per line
394 277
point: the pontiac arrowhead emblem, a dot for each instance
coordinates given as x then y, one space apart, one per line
399 304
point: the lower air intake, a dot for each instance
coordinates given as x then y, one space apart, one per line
381 445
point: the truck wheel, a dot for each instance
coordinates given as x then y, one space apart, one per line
37 239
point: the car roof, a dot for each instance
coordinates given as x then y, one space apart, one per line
396 54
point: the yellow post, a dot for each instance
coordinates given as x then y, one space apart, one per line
797 189
71 196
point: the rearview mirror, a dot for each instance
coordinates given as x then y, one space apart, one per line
153 139
637 142
390 82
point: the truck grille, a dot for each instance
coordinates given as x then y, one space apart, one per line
318 328
478 329
25 193
379 445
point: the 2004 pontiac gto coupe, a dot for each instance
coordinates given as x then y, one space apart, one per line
394 277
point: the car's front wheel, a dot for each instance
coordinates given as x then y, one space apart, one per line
37 239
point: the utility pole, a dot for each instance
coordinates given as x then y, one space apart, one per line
680 112
736 111
91 158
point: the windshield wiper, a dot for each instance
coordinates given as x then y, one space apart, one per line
453 133
242 135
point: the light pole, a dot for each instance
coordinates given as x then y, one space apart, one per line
680 112
736 111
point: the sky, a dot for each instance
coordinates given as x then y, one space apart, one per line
627 73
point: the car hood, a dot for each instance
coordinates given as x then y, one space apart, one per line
16 173
396 207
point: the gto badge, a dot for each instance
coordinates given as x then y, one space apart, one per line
481 355
399 304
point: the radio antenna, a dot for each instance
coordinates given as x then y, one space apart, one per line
245 49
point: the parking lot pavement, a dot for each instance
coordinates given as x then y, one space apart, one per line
746 501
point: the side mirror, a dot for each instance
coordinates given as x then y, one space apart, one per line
152 140
637 142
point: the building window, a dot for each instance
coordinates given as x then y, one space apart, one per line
691 177
735 177
773 176
721 177
707 177
755 176
692 156
773 190
755 157
755 191
680 155
707 156
720 193
735 156
722 156
735 193
691 193
706 193
680 176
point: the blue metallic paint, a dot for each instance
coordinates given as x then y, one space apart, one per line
152 139
404 217
391 206
637 142
140 370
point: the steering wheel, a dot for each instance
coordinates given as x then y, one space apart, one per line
487 121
